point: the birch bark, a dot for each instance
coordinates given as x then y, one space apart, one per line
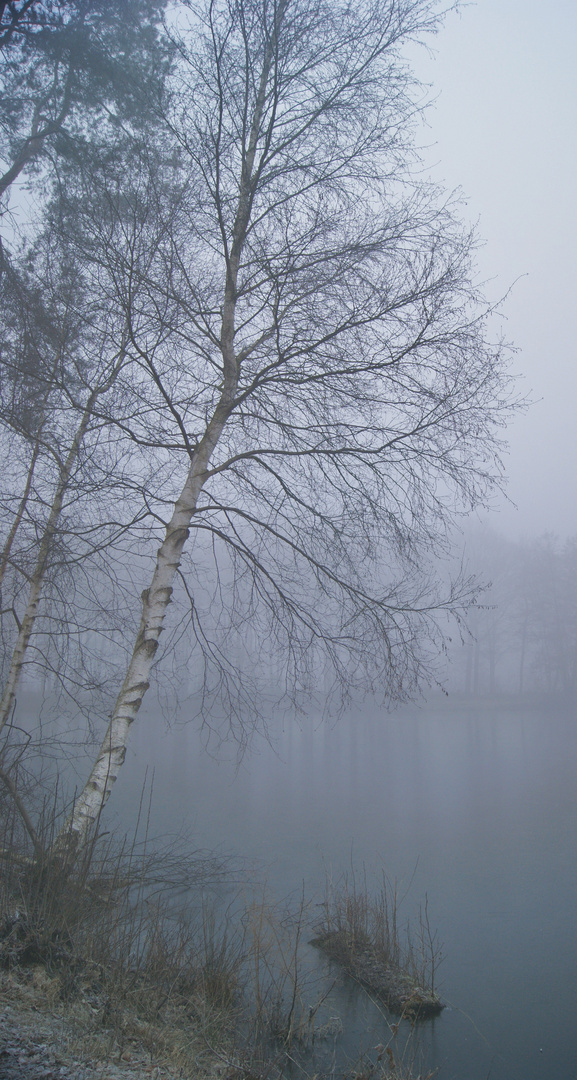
26 624
7 549
155 600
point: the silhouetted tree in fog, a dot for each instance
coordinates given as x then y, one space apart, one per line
322 380
259 381
524 631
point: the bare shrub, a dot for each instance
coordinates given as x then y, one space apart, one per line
361 931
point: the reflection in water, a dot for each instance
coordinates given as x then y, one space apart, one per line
479 810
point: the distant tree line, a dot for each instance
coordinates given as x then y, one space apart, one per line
522 635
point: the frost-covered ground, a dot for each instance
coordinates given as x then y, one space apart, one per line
38 1042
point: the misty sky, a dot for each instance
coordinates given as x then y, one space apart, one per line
504 129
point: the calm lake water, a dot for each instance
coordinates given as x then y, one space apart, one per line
477 807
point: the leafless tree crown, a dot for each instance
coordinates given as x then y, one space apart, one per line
287 389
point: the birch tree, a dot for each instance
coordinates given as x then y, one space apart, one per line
324 386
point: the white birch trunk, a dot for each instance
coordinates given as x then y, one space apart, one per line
26 625
155 600
7 551
5 556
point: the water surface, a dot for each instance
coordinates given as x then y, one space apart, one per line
477 808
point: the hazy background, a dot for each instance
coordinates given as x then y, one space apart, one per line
504 129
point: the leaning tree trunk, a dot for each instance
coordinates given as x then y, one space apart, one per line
155 600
